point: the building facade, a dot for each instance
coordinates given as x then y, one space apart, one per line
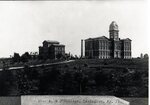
112 47
51 50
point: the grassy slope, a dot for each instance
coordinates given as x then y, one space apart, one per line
65 79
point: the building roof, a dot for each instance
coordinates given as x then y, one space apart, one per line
98 38
89 39
102 37
113 26
127 39
51 41
58 45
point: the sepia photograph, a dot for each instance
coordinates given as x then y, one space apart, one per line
63 52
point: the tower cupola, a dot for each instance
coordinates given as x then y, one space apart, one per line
114 31
113 26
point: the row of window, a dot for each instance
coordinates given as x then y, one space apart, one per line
127 57
104 53
59 52
89 46
127 48
103 43
59 48
101 53
127 53
127 43
104 47
98 54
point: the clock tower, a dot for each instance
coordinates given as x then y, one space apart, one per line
113 31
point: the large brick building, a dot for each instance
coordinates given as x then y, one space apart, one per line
112 47
51 50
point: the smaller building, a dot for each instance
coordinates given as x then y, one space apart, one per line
51 50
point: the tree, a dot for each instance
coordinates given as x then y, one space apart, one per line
27 81
4 87
101 78
25 57
16 57
48 84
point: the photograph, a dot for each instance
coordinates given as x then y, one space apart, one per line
74 52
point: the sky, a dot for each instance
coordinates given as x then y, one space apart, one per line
24 25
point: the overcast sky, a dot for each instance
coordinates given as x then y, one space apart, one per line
24 25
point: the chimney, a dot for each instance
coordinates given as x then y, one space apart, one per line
81 48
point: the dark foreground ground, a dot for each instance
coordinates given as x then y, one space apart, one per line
117 77
137 101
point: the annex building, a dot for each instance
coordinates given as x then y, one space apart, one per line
51 50
112 47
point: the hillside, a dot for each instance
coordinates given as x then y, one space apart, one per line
119 77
